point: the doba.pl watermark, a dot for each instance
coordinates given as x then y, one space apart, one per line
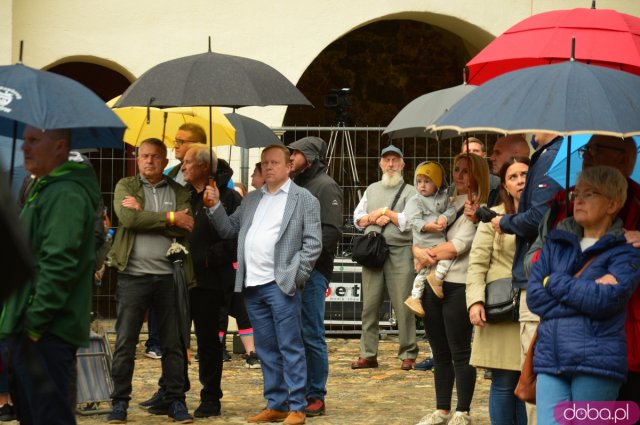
596 412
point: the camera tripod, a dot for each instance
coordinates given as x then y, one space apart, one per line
344 170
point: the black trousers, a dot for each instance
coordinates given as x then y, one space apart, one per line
449 331
205 310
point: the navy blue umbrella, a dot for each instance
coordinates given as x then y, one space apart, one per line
47 101
565 98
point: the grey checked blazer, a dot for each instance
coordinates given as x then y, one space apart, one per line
299 242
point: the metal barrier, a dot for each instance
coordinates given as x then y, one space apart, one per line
354 156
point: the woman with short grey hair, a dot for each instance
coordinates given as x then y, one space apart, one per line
580 287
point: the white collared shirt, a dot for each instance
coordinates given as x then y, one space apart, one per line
260 242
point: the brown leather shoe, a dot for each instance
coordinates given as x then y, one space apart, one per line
364 363
269 415
407 364
295 418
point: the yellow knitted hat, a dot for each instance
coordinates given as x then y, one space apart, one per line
431 170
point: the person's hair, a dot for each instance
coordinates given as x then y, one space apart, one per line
474 140
607 180
155 142
241 186
259 167
628 145
280 147
196 130
506 199
479 172
59 133
203 155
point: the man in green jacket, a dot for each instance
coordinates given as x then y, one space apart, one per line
153 210
47 319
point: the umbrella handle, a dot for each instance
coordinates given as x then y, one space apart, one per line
205 199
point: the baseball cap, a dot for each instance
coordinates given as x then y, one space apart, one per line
391 149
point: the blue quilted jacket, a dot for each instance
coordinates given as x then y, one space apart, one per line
582 322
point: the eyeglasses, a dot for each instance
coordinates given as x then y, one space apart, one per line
585 196
179 142
593 150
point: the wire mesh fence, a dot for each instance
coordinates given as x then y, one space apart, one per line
353 161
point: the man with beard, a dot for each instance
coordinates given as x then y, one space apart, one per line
309 171
373 214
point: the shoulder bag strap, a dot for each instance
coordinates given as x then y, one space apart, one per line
395 201
583 268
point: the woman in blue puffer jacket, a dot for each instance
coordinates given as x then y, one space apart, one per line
581 351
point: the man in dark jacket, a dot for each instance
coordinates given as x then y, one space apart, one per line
534 203
308 170
47 319
213 259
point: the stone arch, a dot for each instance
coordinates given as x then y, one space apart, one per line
106 78
387 62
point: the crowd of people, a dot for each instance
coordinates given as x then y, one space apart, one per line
572 260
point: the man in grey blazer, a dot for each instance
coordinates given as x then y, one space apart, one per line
279 240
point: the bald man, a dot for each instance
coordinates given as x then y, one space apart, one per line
507 147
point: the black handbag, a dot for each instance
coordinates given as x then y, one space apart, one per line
501 301
371 250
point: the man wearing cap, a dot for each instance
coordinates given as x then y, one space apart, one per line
309 171
373 213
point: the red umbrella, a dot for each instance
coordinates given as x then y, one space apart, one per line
603 37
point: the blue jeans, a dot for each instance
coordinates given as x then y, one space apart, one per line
153 340
44 371
315 345
504 407
278 337
552 389
135 295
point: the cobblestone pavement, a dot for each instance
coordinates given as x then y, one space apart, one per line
386 395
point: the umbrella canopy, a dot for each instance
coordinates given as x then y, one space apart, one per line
558 169
605 37
566 98
143 123
212 79
423 111
48 101
251 133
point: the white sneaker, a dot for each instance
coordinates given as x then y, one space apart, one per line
435 418
461 418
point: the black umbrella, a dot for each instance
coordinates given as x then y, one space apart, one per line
177 254
212 79
251 133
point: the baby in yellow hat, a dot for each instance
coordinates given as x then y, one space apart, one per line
428 213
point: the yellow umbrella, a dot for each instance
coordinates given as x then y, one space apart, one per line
164 123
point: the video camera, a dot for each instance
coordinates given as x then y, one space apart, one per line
339 100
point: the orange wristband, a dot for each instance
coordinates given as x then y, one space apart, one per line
172 218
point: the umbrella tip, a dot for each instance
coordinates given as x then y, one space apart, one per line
593 4
209 44
573 49
464 75
20 51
